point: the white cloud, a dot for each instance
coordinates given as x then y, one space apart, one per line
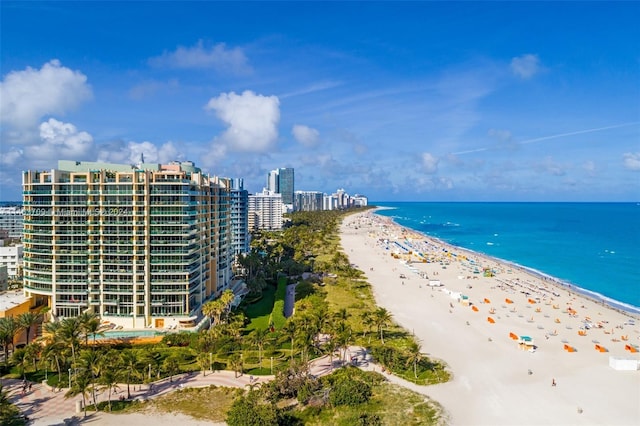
525 66
59 141
631 161
429 163
217 57
130 152
11 157
252 120
549 166
305 135
26 96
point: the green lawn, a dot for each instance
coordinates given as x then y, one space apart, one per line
260 311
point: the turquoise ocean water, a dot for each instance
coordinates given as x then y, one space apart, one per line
591 246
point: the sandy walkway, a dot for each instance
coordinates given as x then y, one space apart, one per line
492 384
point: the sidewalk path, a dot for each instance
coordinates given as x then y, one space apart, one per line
290 300
46 406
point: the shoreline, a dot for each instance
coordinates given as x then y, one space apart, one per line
623 307
504 336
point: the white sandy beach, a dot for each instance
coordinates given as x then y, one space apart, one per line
495 381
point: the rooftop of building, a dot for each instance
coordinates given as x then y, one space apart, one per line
86 166
11 299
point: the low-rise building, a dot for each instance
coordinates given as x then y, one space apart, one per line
12 257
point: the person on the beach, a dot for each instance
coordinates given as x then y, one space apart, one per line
553 382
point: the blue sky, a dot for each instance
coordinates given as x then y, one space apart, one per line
398 101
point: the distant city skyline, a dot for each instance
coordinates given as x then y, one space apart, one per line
400 101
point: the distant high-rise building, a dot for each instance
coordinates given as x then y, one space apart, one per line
286 185
239 217
273 181
308 201
265 211
142 246
282 181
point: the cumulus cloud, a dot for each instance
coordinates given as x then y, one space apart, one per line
60 140
217 57
429 163
305 135
11 157
26 96
130 152
631 161
525 66
252 121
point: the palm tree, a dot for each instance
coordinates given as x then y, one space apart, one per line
203 362
33 351
305 339
81 385
91 326
131 367
92 363
69 332
109 381
9 328
227 297
330 346
19 358
171 365
54 352
381 317
290 331
235 362
213 309
259 337
27 320
367 321
415 356
343 336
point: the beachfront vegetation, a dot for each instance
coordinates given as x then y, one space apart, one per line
334 309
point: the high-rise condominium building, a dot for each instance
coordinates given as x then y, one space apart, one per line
282 181
265 211
308 201
142 246
239 217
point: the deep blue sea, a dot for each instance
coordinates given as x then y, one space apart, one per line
594 246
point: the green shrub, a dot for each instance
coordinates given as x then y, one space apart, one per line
349 392
248 411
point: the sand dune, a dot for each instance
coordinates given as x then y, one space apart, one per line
468 321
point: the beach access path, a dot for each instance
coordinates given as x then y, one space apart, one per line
494 381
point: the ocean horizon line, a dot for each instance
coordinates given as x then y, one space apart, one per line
567 284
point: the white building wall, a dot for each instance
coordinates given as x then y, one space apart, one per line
11 257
